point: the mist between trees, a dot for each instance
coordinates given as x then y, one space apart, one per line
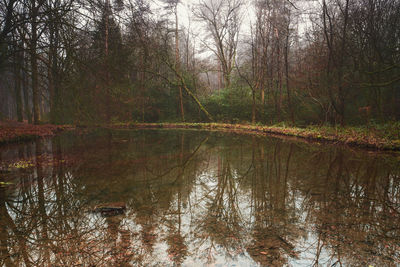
85 61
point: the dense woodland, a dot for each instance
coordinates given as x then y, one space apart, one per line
266 61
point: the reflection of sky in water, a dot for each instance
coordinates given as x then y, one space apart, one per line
231 201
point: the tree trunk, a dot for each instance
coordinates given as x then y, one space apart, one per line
25 89
290 107
107 85
52 70
279 72
34 64
177 61
17 86
183 84
253 110
42 201
341 93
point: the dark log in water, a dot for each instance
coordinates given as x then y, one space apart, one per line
110 209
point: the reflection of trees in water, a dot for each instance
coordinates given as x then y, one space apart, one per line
177 248
222 223
356 211
42 215
188 195
274 228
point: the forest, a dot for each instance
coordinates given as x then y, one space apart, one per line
199 133
262 62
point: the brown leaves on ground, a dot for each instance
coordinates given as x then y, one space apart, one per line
11 131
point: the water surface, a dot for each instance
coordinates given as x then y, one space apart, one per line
196 198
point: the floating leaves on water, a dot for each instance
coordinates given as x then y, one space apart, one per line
23 164
3 184
42 160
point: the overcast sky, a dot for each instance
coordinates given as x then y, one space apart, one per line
187 19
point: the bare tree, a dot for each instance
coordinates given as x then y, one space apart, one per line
335 17
34 23
6 27
173 6
270 47
222 19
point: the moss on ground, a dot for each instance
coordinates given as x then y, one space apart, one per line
380 137
373 137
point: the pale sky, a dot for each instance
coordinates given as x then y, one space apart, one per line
187 19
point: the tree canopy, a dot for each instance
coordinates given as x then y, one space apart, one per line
268 61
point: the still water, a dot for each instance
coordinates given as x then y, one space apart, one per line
196 198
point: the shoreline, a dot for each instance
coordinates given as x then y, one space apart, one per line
347 136
13 132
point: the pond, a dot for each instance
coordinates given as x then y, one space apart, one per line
196 198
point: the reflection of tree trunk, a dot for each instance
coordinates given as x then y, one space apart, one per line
386 190
339 173
113 231
178 248
58 177
6 222
287 169
370 186
319 249
225 185
5 255
182 148
180 179
41 202
270 214
329 175
259 186
221 186
180 256
278 202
